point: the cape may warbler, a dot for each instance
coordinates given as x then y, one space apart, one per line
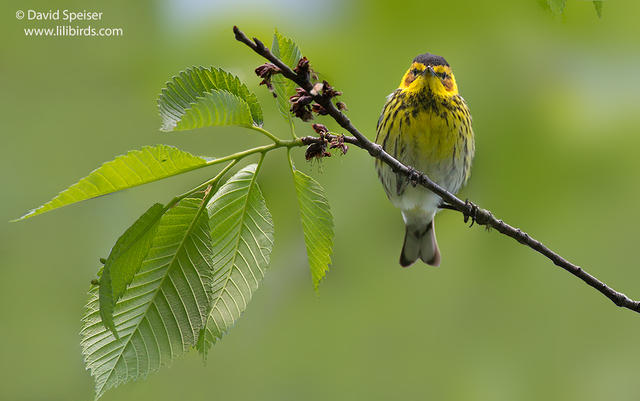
426 125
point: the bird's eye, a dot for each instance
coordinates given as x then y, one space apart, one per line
442 75
415 71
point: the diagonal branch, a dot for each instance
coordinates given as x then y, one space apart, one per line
478 215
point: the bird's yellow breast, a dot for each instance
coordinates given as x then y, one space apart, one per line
430 136
424 129
430 133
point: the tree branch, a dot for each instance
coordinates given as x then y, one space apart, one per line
478 215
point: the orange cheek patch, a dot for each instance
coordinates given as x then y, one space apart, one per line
448 84
410 78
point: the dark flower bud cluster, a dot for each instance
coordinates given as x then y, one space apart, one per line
303 66
327 90
300 104
303 69
320 129
337 142
304 107
318 150
265 71
319 110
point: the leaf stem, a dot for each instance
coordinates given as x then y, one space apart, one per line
290 161
291 143
236 157
265 132
262 155
200 187
293 129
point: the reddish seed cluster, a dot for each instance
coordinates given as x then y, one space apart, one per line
318 150
327 90
265 71
302 67
321 129
319 110
338 143
301 103
303 106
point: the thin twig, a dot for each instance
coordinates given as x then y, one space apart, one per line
308 140
478 215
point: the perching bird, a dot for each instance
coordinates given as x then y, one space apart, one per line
426 125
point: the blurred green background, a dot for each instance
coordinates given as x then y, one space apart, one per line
555 106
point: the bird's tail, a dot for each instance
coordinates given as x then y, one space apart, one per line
420 243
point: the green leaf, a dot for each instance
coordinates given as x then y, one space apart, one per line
242 233
286 50
125 260
317 224
598 5
190 85
163 309
215 108
557 6
151 163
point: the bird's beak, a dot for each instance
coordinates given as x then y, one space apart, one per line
430 70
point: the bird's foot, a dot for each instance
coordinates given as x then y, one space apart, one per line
471 212
414 176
